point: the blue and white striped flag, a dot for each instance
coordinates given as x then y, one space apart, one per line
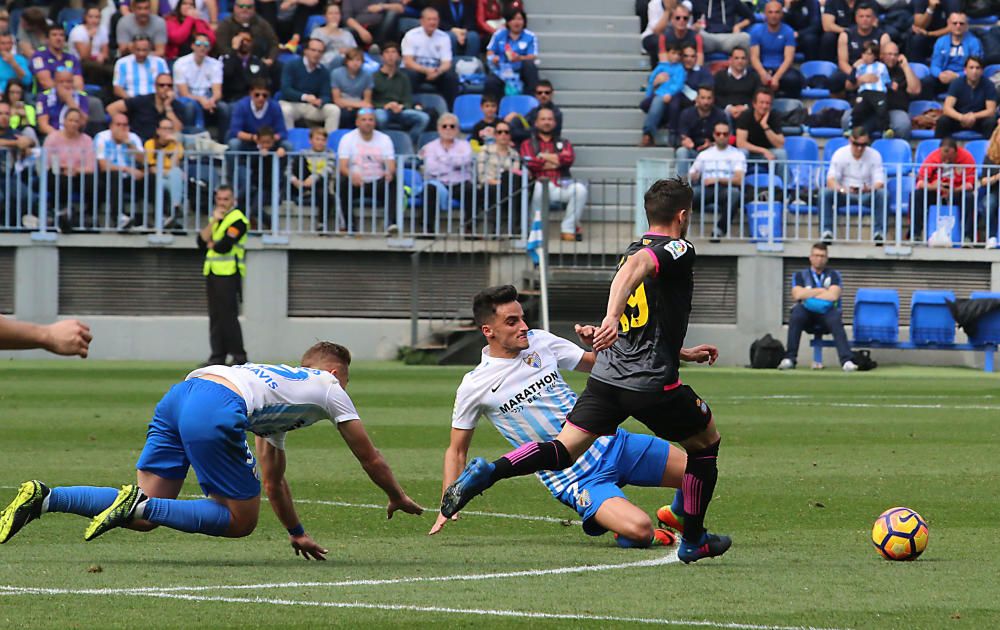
535 237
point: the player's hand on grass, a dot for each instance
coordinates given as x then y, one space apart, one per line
308 548
405 504
700 354
607 334
68 337
586 334
441 521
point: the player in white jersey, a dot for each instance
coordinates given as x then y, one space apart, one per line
202 423
519 388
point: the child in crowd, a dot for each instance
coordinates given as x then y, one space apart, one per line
664 82
871 108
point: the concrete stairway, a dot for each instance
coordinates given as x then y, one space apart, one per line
590 51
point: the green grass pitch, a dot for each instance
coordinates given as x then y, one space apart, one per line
808 461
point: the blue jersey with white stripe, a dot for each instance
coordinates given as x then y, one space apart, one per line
139 79
527 400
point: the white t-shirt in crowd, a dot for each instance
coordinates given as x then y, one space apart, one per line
366 156
198 78
427 50
853 173
79 35
715 164
282 398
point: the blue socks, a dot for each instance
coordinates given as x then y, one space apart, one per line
203 516
83 500
628 543
677 507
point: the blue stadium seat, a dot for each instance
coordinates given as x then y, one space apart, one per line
906 184
930 318
830 148
785 106
334 140
922 71
986 20
948 216
801 171
989 71
299 138
978 150
988 328
92 89
468 111
67 17
766 221
401 142
425 138
520 103
433 104
287 57
314 21
967 135
896 155
925 148
413 185
919 107
816 68
876 315
828 103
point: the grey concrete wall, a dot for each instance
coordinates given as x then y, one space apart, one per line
273 336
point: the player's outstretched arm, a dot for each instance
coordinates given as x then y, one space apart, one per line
700 354
635 269
68 337
375 466
454 462
279 495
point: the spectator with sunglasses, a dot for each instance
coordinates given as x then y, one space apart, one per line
448 173
545 95
184 25
549 157
145 112
263 39
856 178
498 173
199 78
679 33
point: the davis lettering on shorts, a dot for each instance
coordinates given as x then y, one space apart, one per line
527 400
282 398
652 329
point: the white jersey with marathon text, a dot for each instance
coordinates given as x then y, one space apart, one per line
281 398
527 400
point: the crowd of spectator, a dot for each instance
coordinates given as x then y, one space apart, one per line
137 79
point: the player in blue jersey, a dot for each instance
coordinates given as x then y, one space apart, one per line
639 347
202 423
518 387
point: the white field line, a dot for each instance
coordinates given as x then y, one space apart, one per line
819 403
521 614
668 558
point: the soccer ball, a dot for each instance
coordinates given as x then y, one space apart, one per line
900 533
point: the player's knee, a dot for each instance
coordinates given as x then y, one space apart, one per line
241 526
638 529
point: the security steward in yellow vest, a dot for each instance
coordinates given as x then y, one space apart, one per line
224 242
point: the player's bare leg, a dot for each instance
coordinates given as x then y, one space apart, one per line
242 513
154 486
631 525
526 459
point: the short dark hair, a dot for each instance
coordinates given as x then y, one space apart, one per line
864 5
761 90
975 58
673 47
135 2
54 27
484 305
223 188
949 142
821 245
541 83
665 199
392 45
513 12
260 84
871 47
705 86
325 352
859 131
489 98
739 48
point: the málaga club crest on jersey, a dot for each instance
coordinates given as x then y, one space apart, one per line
533 360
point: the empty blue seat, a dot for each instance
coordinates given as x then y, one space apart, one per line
334 140
896 155
876 316
989 71
811 69
802 174
401 142
922 71
468 111
829 149
988 326
906 184
298 137
930 317
828 103
925 148
520 103
314 21
978 150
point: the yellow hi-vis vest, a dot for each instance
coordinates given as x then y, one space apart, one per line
234 261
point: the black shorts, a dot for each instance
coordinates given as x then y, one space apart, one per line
674 415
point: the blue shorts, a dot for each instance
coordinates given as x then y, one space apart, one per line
203 425
633 460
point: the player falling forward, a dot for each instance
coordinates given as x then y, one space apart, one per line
202 423
635 374
518 386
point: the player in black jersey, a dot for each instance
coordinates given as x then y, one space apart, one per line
639 346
